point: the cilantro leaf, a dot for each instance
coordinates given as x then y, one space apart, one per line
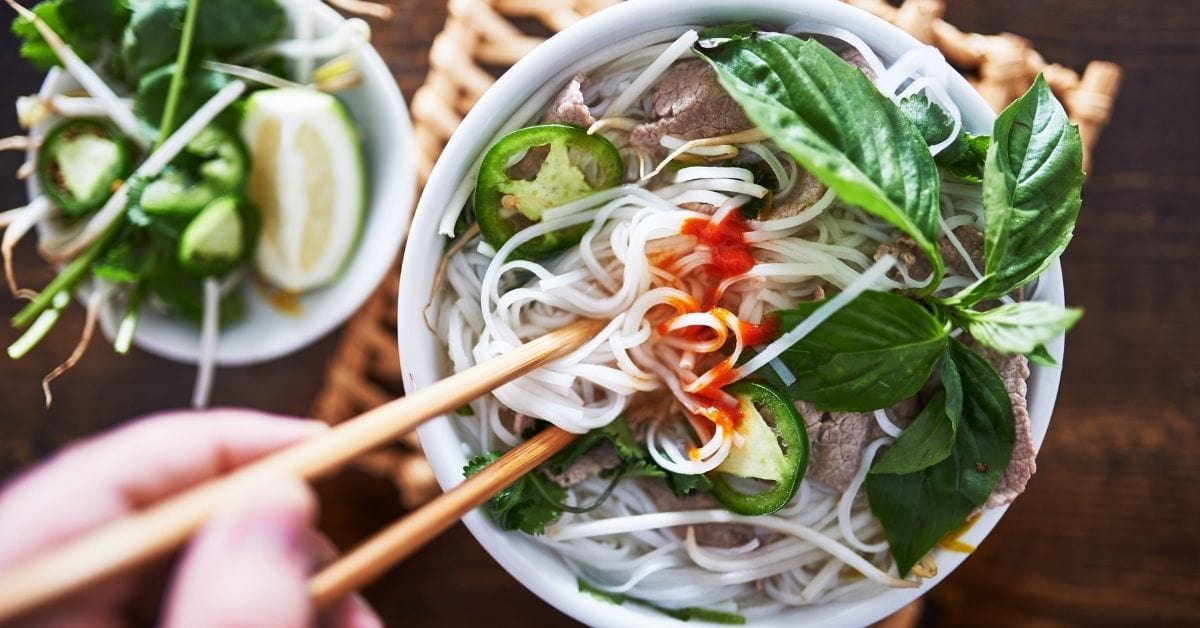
521 505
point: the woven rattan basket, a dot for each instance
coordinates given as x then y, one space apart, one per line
365 372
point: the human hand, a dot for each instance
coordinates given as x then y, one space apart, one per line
248 566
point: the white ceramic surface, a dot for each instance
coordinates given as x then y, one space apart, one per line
534 79
265 332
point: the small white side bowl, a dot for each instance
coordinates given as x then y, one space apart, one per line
538 76
266 332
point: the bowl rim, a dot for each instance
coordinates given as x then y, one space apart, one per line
422 355
390 203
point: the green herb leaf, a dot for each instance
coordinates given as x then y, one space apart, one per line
923 444
152 90
952 384
521 505
1031 193
968 167
92 24
1042 357
874 353
152 38
87 26
684 485
734 30
682 614
33 47
919 508
965 156
830 117
1019 327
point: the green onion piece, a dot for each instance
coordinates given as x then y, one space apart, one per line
124 335
42 326
67 279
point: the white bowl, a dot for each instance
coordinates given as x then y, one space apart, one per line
538 76
266 332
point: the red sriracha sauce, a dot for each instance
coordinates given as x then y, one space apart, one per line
760 334
727 241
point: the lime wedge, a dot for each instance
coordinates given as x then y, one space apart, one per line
306 177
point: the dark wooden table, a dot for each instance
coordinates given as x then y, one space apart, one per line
1108 532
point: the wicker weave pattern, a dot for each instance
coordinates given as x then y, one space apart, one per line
365 372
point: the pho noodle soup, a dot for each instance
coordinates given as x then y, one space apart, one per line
810 333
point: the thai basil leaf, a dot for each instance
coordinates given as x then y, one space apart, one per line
1041 356
874 353
924 443
952 384
830 117
1031 193
1019 327
918 509
965 156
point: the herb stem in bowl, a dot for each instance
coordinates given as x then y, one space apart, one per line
167 124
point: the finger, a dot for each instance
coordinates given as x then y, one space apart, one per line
352 612
103 478
250 565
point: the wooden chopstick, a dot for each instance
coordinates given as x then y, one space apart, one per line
399 540
140 537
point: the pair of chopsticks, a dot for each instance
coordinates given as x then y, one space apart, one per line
143 536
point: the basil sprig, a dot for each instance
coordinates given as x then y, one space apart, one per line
1022 328
833 121
1031 193
882 348
918 508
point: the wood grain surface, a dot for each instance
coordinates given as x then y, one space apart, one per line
1108 533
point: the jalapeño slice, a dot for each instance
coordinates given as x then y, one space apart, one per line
537 168
80 163
773 459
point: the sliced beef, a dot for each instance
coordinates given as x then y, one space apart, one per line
805 194
906 250
837 440
856 59
1014 371
569 107
600 458
709 534
972 241
689 103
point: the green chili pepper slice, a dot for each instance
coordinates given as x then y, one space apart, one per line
215 163
81 162
219 238
537 168
773 458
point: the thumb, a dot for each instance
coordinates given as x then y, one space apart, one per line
250 564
